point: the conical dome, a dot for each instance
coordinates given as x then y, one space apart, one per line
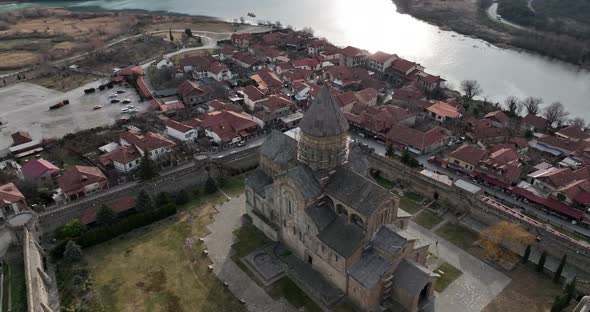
324 117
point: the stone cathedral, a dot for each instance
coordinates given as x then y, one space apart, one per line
313 193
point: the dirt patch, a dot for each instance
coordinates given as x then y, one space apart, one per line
528 291
17 58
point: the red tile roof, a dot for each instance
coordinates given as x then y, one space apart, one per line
241 36
38 167
420 140
298 74
9 194
351 51
226 124
499 116
245 58
118 206
311 62
276 102
444 109
21 137
167 104
470 154
346 98
147 142
367 95
267 80
143 88
401 65
573 133
253 93
74 179
536 121
122 155
189 88
178 126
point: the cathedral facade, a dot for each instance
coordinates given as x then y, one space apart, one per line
313 193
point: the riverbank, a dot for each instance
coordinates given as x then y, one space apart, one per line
470 18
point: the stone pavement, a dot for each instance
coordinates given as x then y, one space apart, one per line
219 243
475 288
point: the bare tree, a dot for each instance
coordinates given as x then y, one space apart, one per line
513 105
555 113
471 88
577 122
531 104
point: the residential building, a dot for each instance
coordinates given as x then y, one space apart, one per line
227 127
401 69
410 96
351 56
273 108
534 123
501 164
442 111
39 171
572 133
124 159
307 63
79 181
168 104
156 145
193 93
498 119
427 81
466 157
120 207
380 61
241 40
268 81
251 96
12 201
21 137
417 142
314 195
377 121
247 61
368 96
181 131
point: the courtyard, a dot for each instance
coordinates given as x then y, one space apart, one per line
26 108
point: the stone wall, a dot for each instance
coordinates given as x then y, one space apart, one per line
36 279
555 243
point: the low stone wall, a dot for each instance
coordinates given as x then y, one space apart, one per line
36 279
555 243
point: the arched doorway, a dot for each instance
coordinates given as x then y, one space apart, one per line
341 210
358 221
424 295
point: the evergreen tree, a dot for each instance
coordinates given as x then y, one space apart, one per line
570 291
199 40
147 168
527 253
188 32
72 252
144 201
171 37
72 229
560 269
409 159
210 186
389 151
105 215
541 263
182 197
163 199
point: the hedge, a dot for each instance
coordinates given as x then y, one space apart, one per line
104 233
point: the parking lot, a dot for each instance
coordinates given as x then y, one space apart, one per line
25 106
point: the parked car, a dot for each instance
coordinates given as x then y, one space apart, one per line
130 107
120 91
114 95
124 109
126 101
97 107
241 143
115 101
91 90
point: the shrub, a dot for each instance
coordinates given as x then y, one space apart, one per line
182 197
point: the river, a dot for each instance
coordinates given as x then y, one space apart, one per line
376 25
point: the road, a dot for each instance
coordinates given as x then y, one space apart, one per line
380 149
492 13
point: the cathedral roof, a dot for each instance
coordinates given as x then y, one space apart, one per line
321 214
412 277
389 239
324 117
370 269
343 237
305 181
279 148
356 191
258 180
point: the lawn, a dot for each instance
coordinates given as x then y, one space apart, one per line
460 236
249 238
448 274
234 186
287 289
384 182
428 219
161 267
409 205
14 288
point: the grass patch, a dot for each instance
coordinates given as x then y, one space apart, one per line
287 289
428 219
448 274
384 182
459 235
161 267
414 196
409 205
14 288
249 238
66 83
234 186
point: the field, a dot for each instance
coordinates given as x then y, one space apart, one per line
448 275
64 83
162 267
458 235
409 205
428 219
14 289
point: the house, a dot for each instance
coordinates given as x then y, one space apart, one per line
298 75
307 64
400 70
558 146
415 141
484 132
219 72
498 119
21 137
281 68
380 61
226 53
346 78
12 201
427 81
121 207
164 63
442 111
205 66
167 104
466 157
267 81
251 96
193 93
377 121
351 56
227 127
314 47
572 133
564 184
303 91
269 54
368 96
181 131
247 60
500 164
156 145
273 108
346 100
410 96
219 105
79 181
39 171
124 159
534 123
241 40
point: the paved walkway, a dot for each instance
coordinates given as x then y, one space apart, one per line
219 246
475 288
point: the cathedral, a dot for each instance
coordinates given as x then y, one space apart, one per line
313 193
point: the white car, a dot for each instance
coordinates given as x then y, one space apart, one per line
114 95
126 101
124 109
130 107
